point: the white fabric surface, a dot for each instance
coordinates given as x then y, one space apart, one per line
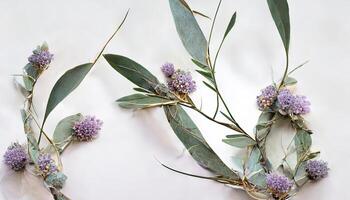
121 163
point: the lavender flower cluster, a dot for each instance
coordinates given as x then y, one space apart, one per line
285 100
46 164
178 80
41 57
16 157
87 129
316 169
278 185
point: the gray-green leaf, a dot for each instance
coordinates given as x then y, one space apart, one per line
280 13
62 135
65 85
189 31
302 141
139 101
132 71
240 141
230 24
191 137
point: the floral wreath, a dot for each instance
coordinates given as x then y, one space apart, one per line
257 176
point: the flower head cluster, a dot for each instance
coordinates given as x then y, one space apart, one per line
316 169
46 164
178 80
278 185
267 97
87 128
56 179
41 57
168 69
291 104
16 157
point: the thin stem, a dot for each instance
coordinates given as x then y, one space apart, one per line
285 71
193 107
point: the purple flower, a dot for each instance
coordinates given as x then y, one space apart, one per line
87 128
316 169
278 185
41 57
168 69
46 164
300 105
267 97
285 100
290 104
16 157
182 82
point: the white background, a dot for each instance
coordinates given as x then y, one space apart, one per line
121 163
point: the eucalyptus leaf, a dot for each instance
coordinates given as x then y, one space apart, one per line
200 65
302 141
31 71
62 135
208 75
230 25
300 176
132 71
189 31
256 173
209 86
28 83
290 81
280 13
140 101
191 137
65 85
240 141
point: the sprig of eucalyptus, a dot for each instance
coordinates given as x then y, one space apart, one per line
44 160
258 176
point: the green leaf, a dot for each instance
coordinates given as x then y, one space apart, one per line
192 139
189 31
290 81
240 141
209 86
139 101
264 125
256 173
62 135
28 83
230 25
200 65
65 85
302 141
300 176
31 71
132 71
280 13
206 74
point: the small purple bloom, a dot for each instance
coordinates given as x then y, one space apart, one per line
182 82
87 128
267 97
278 185
301 105
41 57
168 69
46 164
316 169
285 100
16 157
290 104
